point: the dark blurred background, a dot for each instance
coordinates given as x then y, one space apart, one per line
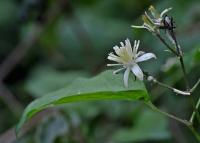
46 44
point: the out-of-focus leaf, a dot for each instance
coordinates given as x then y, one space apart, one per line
105 86
148 126
50 129
87 36
43 80
196 56
7 11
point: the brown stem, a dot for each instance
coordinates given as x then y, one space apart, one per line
9 99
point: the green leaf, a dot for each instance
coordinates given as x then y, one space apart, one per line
44 79
51 128
105 86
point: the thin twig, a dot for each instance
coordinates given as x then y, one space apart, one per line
180 57
177 133
19 52
195 132
165 43
195 85
195 108
177 91
9 99
153 107
185 122
178 54
184 72
194 112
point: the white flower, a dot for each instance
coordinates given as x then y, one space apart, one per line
157 18
128 57
154 21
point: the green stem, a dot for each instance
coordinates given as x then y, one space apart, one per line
184 72
195 86
195 111
180 57
177 91
165 43
153 107
178 53
194 132
185 122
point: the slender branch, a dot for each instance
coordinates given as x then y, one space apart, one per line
178 53
177 91
194 112
180 57
195 108
19 52
185 122
195 86
9 99
194 132
184 72
153 107
165 43
177 133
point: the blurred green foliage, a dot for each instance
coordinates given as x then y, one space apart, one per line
76 45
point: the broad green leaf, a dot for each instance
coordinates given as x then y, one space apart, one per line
44 80
105 86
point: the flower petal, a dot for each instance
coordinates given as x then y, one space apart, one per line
112 55
165 11
117 50
126 75
128 47
148 19
137 45
148 27
137 72
140 26
116 59
118 70
122 44
154 12
140 53
135 48
145 57
111 65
